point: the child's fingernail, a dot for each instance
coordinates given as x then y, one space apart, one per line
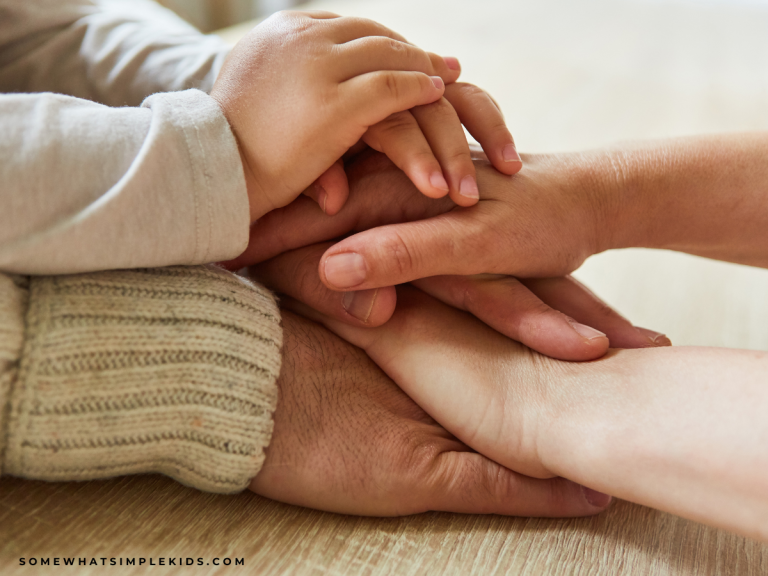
509 153
345 270
322 198
468 187
595 498
438 181
585 331
438 82
452 63
657 338
360 304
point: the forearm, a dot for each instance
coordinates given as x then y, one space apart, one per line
86 187
705 195
679 429
168 370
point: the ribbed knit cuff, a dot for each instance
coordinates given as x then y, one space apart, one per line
14 296
169 370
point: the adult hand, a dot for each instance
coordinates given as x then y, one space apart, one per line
557 316
348 440
544 222
678 429
433 351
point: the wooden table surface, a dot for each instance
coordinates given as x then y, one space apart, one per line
569 75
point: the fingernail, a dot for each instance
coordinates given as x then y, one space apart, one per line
322 198
345 270
438 82
438 181
509 153
585 331
468 187
657 338
452 63
595 498
360 304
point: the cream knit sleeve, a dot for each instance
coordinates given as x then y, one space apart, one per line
169 370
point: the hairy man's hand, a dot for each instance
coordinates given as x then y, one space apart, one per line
348 440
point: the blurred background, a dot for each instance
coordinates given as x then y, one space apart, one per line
209 15
573 75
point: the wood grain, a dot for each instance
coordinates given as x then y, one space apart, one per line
569 75
152 516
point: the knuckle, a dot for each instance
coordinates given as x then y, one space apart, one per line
398 122
398 253
305 278
394 45
440 108
469 90
390 85
462 157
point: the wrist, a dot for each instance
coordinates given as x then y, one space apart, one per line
614 179
257 207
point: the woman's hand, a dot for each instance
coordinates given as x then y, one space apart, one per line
491 392
557 316
679 429
543 222
702 195
348 440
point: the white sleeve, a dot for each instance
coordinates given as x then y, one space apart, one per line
116 52
86 187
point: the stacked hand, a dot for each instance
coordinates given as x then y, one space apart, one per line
303 88
302 92
347 439
312 460
555 316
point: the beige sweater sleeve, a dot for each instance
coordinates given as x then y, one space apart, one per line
169 370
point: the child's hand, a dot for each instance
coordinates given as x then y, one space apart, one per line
428 144
303 87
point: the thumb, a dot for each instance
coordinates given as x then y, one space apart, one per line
451 243
331 189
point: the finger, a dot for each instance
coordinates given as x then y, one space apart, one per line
470 483
453 243
372 97
401 139
385 198
331 189
484 120
351 28
442 129
577 301
374 53
509 307
295 274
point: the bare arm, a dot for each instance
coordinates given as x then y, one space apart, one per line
706 195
